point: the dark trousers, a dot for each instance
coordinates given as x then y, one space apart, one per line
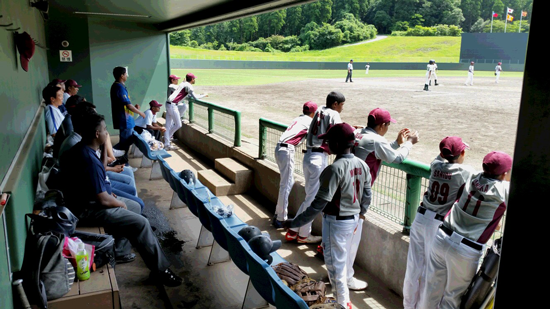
349 76
154 133
127 225
126 139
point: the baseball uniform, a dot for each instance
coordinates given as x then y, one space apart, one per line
367 67
434 74
430 68
470 79
315 159
459 242
343 195
446 180
498 69
350 71
284 155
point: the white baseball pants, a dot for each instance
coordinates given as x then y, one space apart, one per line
353 246
314 163
423 231
173 122
497 77
450 269
285 160
470 79
337 235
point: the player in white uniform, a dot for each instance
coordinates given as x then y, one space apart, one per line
498 69
430 69
447 177
459 242
173 117
284 155
344 195
434 74
367 67
315 160
470 79
350 71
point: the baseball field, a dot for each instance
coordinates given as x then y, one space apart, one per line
485 115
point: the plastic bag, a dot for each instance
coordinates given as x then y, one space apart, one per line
70 248
223 210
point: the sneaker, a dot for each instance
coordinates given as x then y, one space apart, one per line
349 306
118 153
134 169
320 250
356 284
310 239
276 223
125 258
291 235
167 278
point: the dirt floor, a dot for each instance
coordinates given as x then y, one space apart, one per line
484 115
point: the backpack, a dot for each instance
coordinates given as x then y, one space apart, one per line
104 252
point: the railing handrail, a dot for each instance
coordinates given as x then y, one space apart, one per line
222 109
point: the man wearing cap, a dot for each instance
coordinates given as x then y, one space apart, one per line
460 240
149 123
71 88
173 115
447 177
350 71
284 155
172 84
344 195
53 96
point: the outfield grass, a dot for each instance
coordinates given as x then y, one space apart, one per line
262 77
390 49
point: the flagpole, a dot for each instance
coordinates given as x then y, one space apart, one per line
492 16
506 22
520 18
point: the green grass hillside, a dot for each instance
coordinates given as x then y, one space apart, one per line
390 49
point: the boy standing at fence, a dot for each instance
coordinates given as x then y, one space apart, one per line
344 195
447 177
460 240
315 160
284 155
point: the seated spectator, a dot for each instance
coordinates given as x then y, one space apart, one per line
149 123
66 126
53 96
71 88
89 196
61 84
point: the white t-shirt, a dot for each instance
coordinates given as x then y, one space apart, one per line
149 119
323 119
54 118
297 131
65 97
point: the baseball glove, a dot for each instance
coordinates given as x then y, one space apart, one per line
290 273
311 291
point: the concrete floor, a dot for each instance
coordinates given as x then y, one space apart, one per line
221 285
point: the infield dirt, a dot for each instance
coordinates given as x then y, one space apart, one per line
485 115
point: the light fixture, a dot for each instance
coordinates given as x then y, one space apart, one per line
113 14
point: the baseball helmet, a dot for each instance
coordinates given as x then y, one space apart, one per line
499 63
432 61
262 245
472 62
188 176
64 219
249 232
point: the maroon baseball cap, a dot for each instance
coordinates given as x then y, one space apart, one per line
341 131
154 103
58 81
72 82
497 163
25 46
381 116
190 75
309 107
174 77
452 146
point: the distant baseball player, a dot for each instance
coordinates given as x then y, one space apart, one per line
434 74
173 117
284 155
350 71
315 160
343 196
367 67
459 241
430 69
447 177
498 69
470 79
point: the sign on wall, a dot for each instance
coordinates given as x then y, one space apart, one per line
65 56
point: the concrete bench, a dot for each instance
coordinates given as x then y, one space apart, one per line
100 291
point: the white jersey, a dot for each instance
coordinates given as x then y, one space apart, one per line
54 118
430 68
367 66
297 131
350 66
149 119
479 209
373 148
498 68
471 69
446 180
184 90
323 119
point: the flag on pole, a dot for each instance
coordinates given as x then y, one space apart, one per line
510 17
495 14
523 13
510 10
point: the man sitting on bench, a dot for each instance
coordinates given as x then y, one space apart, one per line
89 196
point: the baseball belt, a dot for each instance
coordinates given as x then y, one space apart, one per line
464 240
284 145
351 217
422 210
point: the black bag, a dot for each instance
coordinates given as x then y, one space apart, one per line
51 215
104 252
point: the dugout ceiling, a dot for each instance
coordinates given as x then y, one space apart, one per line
172 15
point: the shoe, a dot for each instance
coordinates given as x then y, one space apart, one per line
118 153
321 250
349 306
356 284
310 239
134 169
426 87
291 235
436 83
167 278
125 258
276 223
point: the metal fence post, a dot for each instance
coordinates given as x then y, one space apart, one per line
210 120
191 111
237 141
414 187
263 137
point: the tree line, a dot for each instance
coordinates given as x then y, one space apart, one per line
327 23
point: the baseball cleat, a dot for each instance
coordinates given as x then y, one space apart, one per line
356 284
310 239
276 223
291 235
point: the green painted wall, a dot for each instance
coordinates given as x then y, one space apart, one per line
5 284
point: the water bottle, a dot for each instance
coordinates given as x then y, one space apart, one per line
82 263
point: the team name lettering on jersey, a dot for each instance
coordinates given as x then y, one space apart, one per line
442 175
480 187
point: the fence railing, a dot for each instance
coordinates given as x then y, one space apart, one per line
495 61
216 119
